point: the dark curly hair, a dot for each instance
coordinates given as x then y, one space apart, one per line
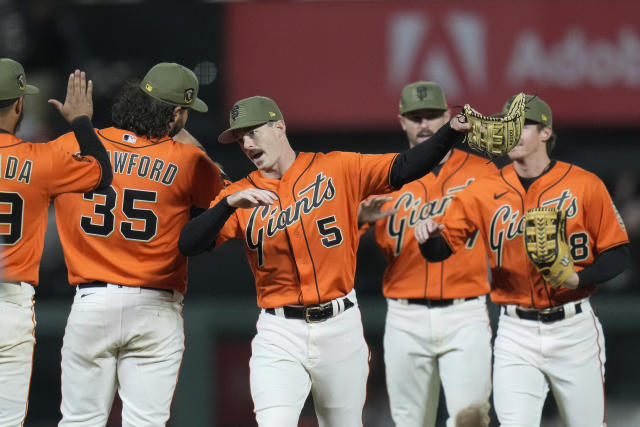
137 112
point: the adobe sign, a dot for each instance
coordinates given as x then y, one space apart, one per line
342 65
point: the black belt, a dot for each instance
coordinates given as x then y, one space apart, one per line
545 315
311 313
101 284
436 302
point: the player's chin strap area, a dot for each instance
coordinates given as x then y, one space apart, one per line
314 313
549 314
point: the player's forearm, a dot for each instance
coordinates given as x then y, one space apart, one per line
90 145
199 235
606 265
421 159
435 249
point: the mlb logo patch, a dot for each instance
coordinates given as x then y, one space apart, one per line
131 139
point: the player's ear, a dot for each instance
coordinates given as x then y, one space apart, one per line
174 114
545 133
401 120
281 126
19 105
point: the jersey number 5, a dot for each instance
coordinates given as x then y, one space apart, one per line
332 236
109 199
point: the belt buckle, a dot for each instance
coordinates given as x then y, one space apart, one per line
551 314
317 310
547 311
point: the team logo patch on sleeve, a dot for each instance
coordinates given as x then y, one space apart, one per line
618 216
80 158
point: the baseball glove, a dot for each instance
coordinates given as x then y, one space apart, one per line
545 242
496 135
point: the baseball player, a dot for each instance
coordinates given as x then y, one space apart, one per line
297 215
32 174
437 327
547 337
125 330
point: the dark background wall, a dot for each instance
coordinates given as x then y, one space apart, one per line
119 40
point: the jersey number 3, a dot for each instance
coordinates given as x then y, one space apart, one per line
11 218
104 206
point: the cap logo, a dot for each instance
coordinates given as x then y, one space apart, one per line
272 115
21 82
421 92
235 111
188 96
148 87
544 117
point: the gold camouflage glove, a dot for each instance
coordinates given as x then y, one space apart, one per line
496 135
545 242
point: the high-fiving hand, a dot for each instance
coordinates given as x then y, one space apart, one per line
251 198
426 230
79 100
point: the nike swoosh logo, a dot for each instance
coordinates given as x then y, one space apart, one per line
497 196
84 295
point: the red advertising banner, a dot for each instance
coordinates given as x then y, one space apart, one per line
336 65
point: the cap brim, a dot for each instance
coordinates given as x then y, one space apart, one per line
199 106
226 137
31 90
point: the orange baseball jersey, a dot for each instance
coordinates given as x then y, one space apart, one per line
31 175
128 233
496 207
302 250
408 274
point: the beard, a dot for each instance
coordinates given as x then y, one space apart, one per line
177 125
174 128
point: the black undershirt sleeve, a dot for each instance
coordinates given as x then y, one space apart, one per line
606 265
421 159
435 249
199 235
90 145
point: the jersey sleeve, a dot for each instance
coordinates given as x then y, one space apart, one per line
231 229
206 179
71 173
373 172
603 221
459 220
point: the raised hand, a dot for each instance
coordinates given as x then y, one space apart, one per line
251 198
370 209
427 229
79 99
460 123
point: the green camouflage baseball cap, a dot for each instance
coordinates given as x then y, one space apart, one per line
250 112
13 82
422 96
174 84
535 110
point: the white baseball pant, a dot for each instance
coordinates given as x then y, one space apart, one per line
425 346
17 341
290 357
125 338
567 355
